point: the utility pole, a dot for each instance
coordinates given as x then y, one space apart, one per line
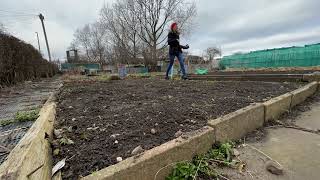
38 42
45 35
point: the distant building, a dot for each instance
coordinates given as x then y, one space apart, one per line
75 64
192 59
72 56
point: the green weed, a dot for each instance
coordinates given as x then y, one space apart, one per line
22 116
27 116
65 141
6 122
200 166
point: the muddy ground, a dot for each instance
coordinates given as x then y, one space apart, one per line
108 120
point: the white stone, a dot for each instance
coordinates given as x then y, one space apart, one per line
119 159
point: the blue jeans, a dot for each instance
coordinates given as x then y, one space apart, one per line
180 57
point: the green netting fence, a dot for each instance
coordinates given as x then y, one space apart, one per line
305 56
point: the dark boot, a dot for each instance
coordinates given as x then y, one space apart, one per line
185 78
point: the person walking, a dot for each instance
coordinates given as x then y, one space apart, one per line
175 50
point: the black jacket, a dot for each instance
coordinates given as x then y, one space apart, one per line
173 42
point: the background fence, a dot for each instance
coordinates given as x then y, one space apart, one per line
308 55
77 66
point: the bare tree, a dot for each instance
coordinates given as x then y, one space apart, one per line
130 29
91 39
82 39
154 18
2 28
98 41
122 24
212 52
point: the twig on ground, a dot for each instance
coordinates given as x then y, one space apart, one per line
195 175
4 153
249 172
293 126
70 158
223 177
276 126
5 148
218 161
35 170
264 154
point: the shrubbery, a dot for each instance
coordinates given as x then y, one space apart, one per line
20 61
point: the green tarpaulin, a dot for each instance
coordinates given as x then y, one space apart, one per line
201 71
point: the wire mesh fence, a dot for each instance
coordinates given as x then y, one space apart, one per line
306 56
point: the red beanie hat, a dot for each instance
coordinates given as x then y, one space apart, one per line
173 24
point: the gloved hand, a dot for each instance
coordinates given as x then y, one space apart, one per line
185 47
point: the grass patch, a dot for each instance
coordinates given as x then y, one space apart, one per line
203 166
139 76
103 77
6 122
27 115
22 116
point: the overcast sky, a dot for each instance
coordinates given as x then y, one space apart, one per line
232 25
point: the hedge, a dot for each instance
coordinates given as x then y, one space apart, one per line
20 61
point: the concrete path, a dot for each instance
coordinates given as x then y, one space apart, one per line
23 97
298 151
310 119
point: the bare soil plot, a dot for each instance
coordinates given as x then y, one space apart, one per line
109 120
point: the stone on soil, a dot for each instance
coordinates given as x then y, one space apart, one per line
274 168
178 134
119 159
236 152
58 133
114 135
137 150
153 131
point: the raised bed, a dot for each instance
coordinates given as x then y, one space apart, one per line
153 163
109 120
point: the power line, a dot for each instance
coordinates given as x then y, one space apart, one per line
13 21
4 14
16 19
16 16
23 21
17 12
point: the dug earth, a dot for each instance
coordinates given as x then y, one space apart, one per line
101 123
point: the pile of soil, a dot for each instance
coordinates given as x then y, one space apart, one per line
108 120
